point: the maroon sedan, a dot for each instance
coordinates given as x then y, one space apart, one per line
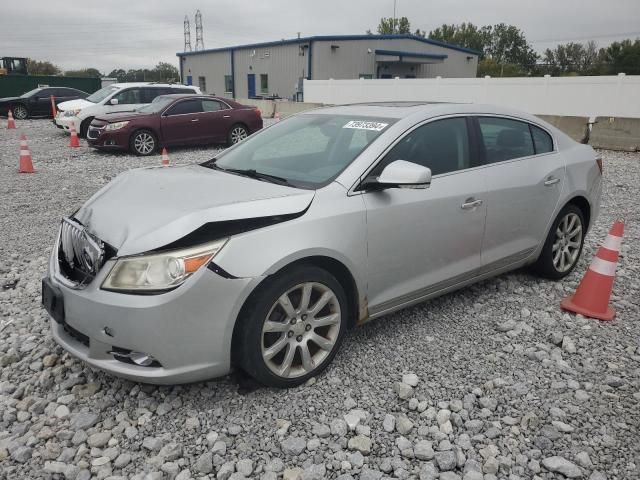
175 120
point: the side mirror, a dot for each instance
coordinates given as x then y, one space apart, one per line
113 101
400 174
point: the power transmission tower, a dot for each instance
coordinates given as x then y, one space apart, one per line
187 35
199 39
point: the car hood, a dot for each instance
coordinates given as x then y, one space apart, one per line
8 99
74 104
121 116
146 209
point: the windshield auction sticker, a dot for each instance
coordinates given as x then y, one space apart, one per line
361 125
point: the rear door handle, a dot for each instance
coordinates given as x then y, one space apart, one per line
195 120
551 181
470 204
226 116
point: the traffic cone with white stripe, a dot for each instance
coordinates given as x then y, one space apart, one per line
26 165
11 123
73 141
165 158
276 116
592 296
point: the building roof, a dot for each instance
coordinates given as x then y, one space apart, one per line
397 53
334 38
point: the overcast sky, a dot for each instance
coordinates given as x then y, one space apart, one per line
140 33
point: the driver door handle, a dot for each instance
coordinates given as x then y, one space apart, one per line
551 181
470 204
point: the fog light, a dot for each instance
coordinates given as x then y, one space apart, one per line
141 359
136 358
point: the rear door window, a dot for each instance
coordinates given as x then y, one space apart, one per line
212 106
130 96
150 93
185 107
505 139
542 141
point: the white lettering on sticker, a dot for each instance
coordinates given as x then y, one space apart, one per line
362 125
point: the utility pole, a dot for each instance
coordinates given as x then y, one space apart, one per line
395 2
187 35
199 38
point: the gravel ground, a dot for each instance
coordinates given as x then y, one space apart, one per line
493 381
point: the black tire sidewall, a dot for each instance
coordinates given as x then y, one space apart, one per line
132 143
544 266
84 127
249 356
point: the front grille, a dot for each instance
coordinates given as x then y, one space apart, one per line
80 254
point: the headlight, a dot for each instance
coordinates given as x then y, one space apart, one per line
72 113
116 125
159 271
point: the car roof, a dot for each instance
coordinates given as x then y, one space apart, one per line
399 110
191 95
148 84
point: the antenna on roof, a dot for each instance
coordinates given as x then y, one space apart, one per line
199 38
187 35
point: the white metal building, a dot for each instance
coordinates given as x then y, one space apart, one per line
276 69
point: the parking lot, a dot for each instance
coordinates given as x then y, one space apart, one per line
505 385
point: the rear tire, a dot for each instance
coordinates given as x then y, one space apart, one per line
563 246
291 330
20 112
143 143
236 134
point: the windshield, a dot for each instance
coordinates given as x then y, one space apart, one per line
307 150
156 105
30 92
101 94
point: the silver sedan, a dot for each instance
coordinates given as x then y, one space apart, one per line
262 258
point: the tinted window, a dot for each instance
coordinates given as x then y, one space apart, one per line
183 90
443 146
186 106
541 140
129 96
505 139
149 94
212 106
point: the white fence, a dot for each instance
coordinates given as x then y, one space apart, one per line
608 96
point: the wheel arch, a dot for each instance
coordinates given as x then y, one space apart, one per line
585 207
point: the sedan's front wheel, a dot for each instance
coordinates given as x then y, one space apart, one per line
563 245
143 143
20 112
293 328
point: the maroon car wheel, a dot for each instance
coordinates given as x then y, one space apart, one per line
143 143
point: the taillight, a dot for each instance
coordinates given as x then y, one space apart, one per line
258 111
599 162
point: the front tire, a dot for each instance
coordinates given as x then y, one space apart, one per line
293 328
84 127
563 245
143 143
237 134
20 112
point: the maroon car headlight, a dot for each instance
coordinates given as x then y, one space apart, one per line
116 126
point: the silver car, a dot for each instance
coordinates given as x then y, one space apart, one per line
262 258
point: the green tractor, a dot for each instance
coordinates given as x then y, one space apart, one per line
13 66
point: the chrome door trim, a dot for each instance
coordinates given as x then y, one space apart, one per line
454 283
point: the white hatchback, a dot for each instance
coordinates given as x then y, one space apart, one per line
118 97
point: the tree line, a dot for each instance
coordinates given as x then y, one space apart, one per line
161 72
505 51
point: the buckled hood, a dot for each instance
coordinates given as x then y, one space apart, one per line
146 209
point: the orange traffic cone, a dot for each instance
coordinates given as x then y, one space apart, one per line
11 123
26 166
592 296
73 141
165 158
277 117
53 106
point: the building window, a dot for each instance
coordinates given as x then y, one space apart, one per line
264 83
202 83
228 84
366 76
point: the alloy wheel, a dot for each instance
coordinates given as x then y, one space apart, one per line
238 134
144 143
568 241
301 330
20 113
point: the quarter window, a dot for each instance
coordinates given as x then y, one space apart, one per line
443 146
505 139
185 107
542 141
